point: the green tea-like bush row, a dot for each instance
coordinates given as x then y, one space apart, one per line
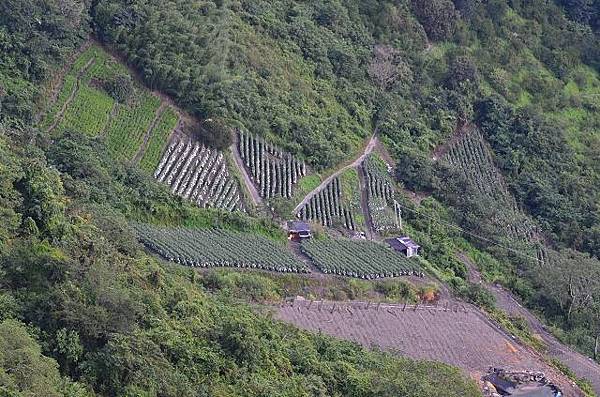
216 247
359 258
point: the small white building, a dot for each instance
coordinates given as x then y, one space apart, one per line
405 245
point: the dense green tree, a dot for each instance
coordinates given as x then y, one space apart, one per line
438 17
25 371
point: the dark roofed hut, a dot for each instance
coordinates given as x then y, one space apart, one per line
298 230
405 245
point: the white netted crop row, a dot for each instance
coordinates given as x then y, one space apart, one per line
274 171
380 195
327 207
199 174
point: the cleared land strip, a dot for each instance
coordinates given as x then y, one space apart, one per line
250 188
358 161
59 116
581 365
157 115
462 337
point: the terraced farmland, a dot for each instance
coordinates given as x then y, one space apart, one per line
158 140
358 258
473 158
337 204
199 174
457 335
274 171
84 105
69 87
382 206
213 247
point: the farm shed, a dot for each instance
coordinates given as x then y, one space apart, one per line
298 230
405 245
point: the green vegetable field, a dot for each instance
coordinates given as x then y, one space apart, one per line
364 259
215 247
98 97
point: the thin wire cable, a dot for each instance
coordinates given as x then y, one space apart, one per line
470 233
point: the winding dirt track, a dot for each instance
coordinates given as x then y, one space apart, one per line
254 195
583 366
373 141
458 335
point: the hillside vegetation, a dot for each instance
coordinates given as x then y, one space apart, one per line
84 311
490 112
318 76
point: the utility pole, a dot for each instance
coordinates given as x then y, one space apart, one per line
398 211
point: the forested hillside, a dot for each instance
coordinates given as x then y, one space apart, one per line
489 112
318 76
85 311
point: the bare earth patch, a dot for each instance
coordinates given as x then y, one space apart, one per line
459 335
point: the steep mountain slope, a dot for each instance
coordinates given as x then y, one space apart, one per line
455 334
84 310
302 86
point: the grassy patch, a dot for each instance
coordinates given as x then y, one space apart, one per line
274 287
351 196
583 384
126 132
158 140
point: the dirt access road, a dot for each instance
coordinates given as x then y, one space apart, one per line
250 187
373 141
583 366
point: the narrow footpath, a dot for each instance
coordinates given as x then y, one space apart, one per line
582 366
358 161
250 188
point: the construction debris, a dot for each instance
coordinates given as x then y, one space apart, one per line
500 382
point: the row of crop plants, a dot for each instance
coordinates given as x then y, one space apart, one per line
384 209
125 134
69 84
90 110
359 258
158 140
93 111
327 207
199 174
273 170
473 158
216 247
88 113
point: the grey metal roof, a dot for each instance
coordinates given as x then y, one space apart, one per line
408 242
298 226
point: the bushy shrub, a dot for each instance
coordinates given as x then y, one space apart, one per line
120 88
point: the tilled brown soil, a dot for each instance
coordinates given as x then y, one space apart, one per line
460 335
